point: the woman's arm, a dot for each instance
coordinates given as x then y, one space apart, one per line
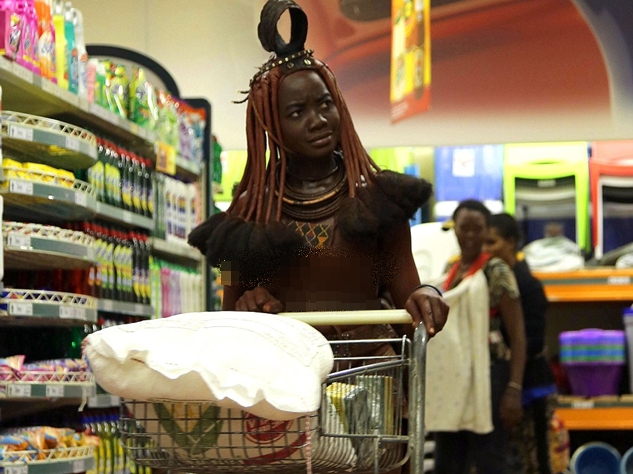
511 409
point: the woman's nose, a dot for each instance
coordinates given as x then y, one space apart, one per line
317 119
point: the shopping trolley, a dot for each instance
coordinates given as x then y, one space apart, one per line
359 428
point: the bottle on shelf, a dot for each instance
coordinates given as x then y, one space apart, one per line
82 54
61 66
72 59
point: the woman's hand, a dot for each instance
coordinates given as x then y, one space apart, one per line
259 300
511 408
426 306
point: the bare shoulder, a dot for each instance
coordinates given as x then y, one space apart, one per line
397 238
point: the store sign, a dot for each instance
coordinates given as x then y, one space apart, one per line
410 58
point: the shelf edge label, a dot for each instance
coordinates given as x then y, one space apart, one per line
21 187
21 133
15 239
21 309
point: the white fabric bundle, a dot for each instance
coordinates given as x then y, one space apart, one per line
271 366
458 362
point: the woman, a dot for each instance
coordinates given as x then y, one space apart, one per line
317 226
458 450
531 436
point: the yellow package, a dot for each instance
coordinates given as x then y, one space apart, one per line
40 172
12 173
66 178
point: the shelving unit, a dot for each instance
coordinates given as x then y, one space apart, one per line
47 307
37 247
58 461
601 413
175 251
43 124
29 93
602 285
586 285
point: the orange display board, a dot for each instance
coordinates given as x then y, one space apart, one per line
410 58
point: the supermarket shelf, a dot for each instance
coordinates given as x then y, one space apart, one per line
121 216
36 247
599 413
49 141
176 251
30 390
37 307
26 199
104 400
58 463
122 307
586 285
23 90
187 169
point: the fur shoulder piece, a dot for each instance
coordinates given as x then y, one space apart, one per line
392 198
255 248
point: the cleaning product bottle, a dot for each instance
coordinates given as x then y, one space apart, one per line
61 67
24 28
72 60
32 51
11 28
82 54
45 45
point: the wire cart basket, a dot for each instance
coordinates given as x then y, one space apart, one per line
371 418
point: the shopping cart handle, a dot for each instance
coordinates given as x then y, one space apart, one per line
350 318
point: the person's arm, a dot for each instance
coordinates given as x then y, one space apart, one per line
424 304
512 318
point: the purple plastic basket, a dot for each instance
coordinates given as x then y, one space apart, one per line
593 380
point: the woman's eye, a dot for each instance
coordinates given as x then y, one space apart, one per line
295 114
325 105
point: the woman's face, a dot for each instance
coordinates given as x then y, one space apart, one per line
470 230
497 246
310 122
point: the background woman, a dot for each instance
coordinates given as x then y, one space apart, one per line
530 438
458 450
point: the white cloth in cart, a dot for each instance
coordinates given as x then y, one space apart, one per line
271 366
458 362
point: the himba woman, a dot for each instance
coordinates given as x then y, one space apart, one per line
314 224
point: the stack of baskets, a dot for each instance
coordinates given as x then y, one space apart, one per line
593 360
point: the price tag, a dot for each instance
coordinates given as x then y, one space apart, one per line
21 133
21 187
87 391
23 469
49 87
128 217
138 308
101 112
619 280
66 312
80 313
79 465
134 128
54 391
72 143
583 404
23 73
19 390
107 305
70 97
91 253
21 309
15 239
81 199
